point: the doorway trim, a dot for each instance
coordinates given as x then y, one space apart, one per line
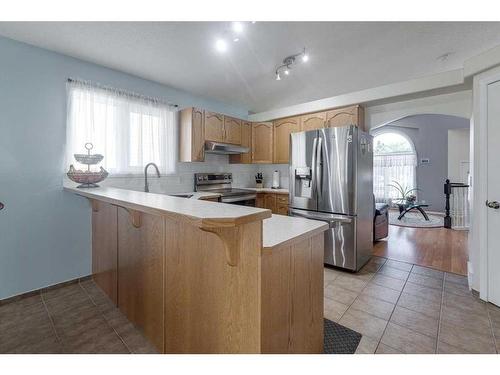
479 126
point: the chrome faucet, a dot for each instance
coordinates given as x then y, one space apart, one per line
146 186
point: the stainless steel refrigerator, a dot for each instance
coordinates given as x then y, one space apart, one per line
331 180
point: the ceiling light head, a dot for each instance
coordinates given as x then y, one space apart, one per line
278 78
286 71
305 57
236 40
238 27
221 45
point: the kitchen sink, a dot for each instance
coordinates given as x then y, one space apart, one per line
181 195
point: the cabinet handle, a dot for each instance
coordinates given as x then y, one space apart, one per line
1 206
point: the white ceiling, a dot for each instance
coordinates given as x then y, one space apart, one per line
344 56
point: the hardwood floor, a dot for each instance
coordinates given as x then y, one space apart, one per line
439 248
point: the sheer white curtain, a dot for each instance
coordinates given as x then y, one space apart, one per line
389 168
129 130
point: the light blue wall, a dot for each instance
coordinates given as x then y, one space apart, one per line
45 232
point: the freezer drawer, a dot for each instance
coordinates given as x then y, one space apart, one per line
340 239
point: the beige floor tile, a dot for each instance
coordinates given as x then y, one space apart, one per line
415 321
330 274
373 306
428 281
377 260
465 339
334 310
428 272
399 265
408 341
370 267
467 303
340 294
385 349
363 323
393 272
444 348
458 279
49 345
459 289
420 305
431 294
389 282
479 323
350 283
380 292
367 346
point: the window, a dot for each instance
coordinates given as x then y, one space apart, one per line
394 160
130 131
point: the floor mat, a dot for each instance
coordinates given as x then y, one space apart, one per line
339 339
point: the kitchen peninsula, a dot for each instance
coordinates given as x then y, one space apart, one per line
203 277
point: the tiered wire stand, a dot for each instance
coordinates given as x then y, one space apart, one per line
88 178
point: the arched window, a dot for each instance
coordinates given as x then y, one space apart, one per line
394 159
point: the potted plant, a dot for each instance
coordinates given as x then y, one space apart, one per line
406 195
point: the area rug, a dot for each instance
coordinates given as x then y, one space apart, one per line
339 339
415 219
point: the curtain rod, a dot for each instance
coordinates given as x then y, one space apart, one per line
124 92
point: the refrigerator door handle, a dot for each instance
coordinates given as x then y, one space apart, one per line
330 219
319 170
313 165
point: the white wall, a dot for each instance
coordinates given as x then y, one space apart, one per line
458 154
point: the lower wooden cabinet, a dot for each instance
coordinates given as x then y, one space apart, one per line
277 203
141 241
105 248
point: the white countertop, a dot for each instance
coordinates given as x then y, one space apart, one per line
281 230
200 212
278 230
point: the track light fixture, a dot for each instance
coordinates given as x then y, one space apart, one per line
289 62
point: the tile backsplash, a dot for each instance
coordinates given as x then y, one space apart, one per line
183 180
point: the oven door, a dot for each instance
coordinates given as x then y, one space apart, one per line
241 200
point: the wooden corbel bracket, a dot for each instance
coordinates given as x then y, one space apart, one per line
232 239
135 217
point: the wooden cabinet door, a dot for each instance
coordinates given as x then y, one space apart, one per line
353 115
312 121
270 202
282 130
105 248
214 127
262 143
246 141
260 200
232 130
282 204
141 271
198 135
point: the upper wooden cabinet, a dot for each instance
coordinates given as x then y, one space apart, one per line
262 143
282 130
232 130
353 115
246 141
214 126
191 135
312 121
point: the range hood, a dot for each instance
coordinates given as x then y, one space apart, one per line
224 148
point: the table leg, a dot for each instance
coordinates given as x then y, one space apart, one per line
423 213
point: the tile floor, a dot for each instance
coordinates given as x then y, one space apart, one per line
404 308
75 318
397 307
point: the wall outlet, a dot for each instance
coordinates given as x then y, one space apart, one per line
425 161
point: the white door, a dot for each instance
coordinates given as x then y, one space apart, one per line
493 192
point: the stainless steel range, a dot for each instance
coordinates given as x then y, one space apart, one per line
222 183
